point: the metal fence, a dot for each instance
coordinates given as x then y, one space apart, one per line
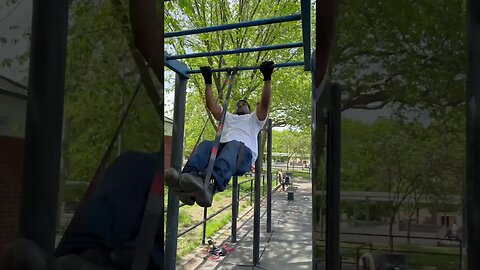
352 254
234 205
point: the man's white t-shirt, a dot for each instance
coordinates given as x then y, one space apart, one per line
243 128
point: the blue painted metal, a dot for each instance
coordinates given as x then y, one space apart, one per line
289 18
176 162
288 64
177 66
237 51
306 32
472 180
332 242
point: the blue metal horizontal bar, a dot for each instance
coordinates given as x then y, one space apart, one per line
236 51
288 64
306 32
176 66
289 18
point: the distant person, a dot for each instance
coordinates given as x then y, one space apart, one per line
454 230
281 179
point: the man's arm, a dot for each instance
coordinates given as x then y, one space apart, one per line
262 110
212 105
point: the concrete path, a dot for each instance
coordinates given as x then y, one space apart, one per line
288 246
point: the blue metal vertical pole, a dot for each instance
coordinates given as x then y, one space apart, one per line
263 184
306 32
204 232
333 261
256 207
234 208
472 187
269 175
177 160
43 134
251 191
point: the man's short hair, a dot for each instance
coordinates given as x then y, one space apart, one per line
246 102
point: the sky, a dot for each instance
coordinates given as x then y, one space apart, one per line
19 15
15 19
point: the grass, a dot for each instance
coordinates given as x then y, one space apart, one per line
190 215
193 239
304 174
447 258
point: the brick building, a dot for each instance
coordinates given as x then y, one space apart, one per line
167 140
13 102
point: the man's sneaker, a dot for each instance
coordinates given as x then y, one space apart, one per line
193 184
186 199
171 179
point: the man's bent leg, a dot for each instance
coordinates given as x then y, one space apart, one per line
74 262
24 254
198 161
196 164
192 179
226 163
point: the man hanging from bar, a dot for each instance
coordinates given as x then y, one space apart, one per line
238 146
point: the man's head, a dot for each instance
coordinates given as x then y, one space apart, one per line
242 107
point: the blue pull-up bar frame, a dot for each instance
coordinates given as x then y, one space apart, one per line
181 80
306 32
305 17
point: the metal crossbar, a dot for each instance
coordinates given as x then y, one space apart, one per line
215 28
237 51
288 64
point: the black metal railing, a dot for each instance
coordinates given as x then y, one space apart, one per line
236 190
346 254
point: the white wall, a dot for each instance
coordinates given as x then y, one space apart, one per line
167 128
13 112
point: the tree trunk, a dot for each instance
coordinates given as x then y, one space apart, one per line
418 213
409 225
390 229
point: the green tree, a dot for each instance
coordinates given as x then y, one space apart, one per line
410 161
293 143
291 86
101 76
406 52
